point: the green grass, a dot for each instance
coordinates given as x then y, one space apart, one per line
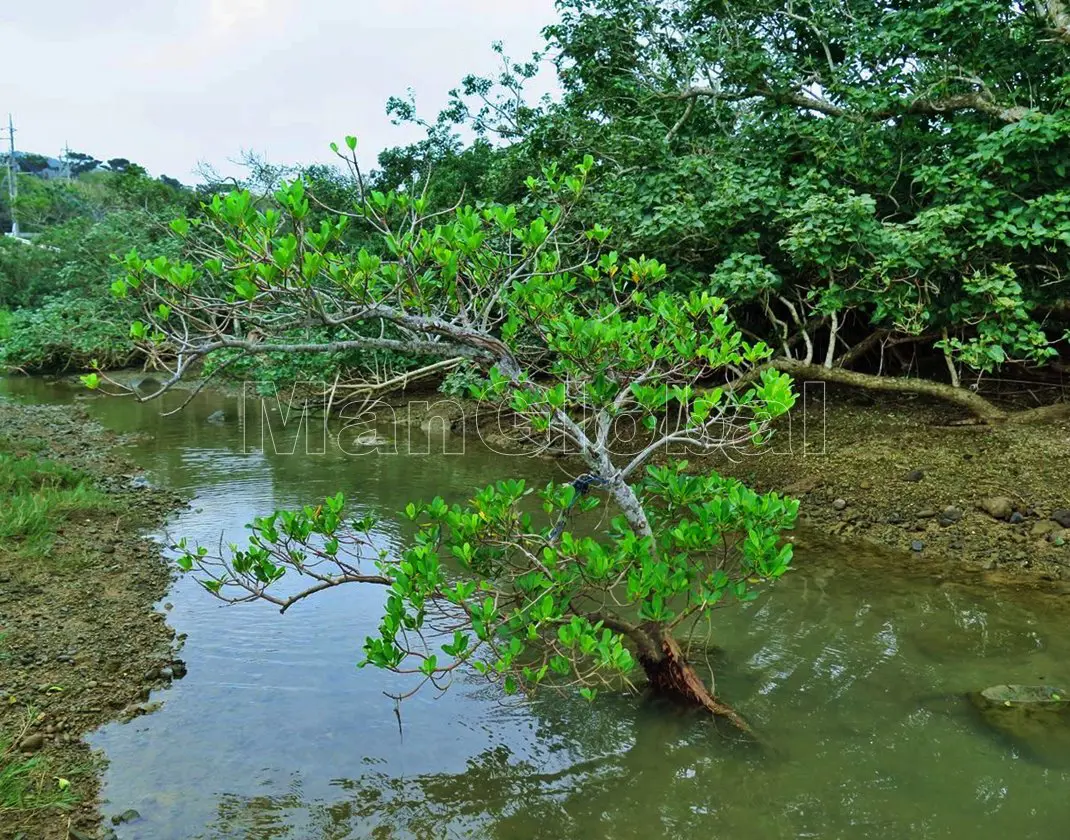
5 324
37 495
28 784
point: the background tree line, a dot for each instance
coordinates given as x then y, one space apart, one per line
879 189
55 308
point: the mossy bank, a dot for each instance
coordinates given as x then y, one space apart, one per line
81 643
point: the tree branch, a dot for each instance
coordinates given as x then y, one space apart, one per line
980 101
1057 14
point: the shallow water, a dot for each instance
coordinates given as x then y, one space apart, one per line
852 668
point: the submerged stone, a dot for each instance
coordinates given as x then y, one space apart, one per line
148 386
1034 718
126 816
1033 696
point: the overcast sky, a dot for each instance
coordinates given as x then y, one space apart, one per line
168 84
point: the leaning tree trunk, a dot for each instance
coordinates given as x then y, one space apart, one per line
672 676
667 669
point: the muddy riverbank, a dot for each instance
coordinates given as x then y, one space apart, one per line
900 472
80 641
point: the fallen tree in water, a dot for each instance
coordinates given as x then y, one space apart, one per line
580 347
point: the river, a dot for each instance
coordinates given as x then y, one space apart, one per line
852 667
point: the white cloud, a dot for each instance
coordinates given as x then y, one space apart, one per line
168 84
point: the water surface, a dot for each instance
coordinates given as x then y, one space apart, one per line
852 669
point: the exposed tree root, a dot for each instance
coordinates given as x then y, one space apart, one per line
672 676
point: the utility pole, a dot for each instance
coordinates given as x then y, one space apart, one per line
12 174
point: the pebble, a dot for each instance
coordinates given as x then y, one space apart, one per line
998 507
917 545
32 743
1016 518
914 475
839 504
129 815
950 516
894 519
928 513
1062 516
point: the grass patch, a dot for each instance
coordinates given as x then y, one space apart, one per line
29 784
5 324
37 495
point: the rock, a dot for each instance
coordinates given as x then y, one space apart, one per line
1042 529
138 482
998 507
950 516
1062 516
179 669
371 439
1037 697
1034 716
928 513
166 673
148 385
917 545
803 487
839 504
216 417
129 815
894 519
914 475
1016 518
32 743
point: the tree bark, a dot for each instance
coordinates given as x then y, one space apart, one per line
975 403
667 669
672 676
